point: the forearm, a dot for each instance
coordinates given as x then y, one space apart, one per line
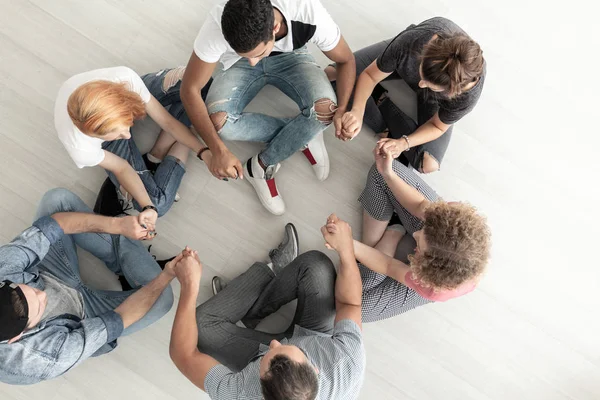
348 284
372 258
364 88
408 197
198 113
426 133
184 336
185 136
133 184
76 222
346 75
138 304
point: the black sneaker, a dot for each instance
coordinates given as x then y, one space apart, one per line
108 202
151 166
287 250
161 263
395 220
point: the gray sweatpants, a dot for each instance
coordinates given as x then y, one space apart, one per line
257 293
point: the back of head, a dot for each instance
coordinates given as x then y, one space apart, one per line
14 311
452 62
289 380
247 23
99 107
458 246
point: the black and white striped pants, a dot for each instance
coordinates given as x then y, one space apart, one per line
384 297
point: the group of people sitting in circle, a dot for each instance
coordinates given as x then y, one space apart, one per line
51 321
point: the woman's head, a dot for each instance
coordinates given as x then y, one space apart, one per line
452 248
105 109
450 64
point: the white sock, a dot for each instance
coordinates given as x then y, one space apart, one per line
270 265
153 159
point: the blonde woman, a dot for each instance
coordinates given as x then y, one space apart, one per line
452 243
93 115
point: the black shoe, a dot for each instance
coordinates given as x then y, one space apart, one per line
287 250
108 202
124 283
161 263
395 220
151 166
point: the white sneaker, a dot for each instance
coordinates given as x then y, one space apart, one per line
264 184
316 153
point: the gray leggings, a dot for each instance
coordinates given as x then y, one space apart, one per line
257 293
388 115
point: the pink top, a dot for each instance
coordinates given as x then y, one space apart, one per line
441 295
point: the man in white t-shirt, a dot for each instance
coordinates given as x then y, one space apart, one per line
260 42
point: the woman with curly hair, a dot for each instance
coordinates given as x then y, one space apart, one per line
442 65
452 243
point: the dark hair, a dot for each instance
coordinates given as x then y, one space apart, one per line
289 380
19 307
247 23
452 62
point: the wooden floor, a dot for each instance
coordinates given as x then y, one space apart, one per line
524 157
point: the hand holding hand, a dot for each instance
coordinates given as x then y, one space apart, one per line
130 227
224 165
147 220
189 269
392 146
351 124
383 161
338 235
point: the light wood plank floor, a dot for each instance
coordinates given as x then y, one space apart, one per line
525 157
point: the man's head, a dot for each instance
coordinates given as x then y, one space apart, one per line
21 308
249 27
286 373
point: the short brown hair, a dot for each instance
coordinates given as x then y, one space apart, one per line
99 107
458 246
290 380
452 62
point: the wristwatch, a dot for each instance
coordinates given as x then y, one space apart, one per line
150 207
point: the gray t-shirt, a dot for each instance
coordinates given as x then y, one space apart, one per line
62 299
402 56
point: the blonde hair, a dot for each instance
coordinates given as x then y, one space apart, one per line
458 246
99 107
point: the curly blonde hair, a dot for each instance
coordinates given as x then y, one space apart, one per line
458 246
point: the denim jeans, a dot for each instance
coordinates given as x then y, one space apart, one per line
120 254
297 75
161 186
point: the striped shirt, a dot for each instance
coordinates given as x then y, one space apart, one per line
339 358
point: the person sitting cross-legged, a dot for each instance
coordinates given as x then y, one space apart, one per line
50 321
321 355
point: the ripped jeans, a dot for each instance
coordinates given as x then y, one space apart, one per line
298 76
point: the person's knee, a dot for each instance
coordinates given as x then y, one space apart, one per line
218 119
172 78
325 110
429 164
58 199
319 265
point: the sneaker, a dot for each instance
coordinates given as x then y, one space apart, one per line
110 202
150 165
287 250
316 153
217 285
264 184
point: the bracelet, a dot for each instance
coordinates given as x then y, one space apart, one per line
150 207
407 142
199 155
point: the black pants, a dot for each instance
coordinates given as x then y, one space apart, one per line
257 293
388 116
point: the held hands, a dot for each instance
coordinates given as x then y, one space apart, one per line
338 235
224 165
132 228
383 161
147 220
188 269
351 125
392 146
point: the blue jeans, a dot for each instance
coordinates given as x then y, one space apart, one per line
120 254
163 184
298 76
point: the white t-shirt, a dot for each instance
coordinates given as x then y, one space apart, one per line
307 21
86 151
